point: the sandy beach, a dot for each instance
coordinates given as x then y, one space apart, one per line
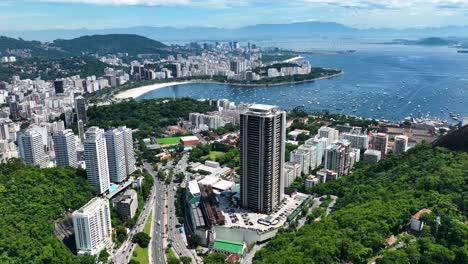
294 59
136 92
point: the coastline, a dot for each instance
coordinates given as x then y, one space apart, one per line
294 59
139 91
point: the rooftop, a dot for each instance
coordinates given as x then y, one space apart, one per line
229 246
422 211
262 108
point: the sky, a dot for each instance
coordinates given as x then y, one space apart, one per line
99 14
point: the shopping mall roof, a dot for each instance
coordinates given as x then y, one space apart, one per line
229 246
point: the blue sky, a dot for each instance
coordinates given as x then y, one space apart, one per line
95 14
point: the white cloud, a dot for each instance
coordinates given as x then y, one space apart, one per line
390 4
201 3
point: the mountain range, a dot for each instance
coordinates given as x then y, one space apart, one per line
254 32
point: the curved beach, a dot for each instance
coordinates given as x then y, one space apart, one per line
137 92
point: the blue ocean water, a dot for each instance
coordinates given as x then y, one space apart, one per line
382 81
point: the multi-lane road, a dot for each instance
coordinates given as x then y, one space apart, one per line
123 254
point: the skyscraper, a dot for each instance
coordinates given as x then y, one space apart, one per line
92 226
129 151
401 144
116 155
380 143
80 109
81 132
263 135
58 87
65 148
31 148
96 159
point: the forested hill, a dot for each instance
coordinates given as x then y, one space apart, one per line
455 140
377 201
111 43
30 200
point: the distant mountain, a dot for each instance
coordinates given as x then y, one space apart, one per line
254 32
112 43
101 44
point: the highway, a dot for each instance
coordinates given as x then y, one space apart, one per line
157 254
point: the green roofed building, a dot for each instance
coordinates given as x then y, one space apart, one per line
229 247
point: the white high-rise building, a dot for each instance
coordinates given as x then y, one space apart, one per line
116 155
330 133
301 157
129 151
262 136
401 144
65 148
92 226
359 141
96 159
31 148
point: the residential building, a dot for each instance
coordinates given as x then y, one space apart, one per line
65 148
337 157
292 170
31 148
325 175
380 143
116 155
416 223
401 144
359 141
92 226
372 156
262 145
301 157
130 161
95 152
80 109
127 204
330 133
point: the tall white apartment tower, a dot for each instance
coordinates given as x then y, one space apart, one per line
92 226
129 151
401 144
263 135
31 148
116 155
65 148
96 159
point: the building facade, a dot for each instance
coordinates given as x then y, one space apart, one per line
116 155
263 136
92 226
31 148
65 148
96 159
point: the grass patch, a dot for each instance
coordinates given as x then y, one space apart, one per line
213 155
168 141
171 257
141 254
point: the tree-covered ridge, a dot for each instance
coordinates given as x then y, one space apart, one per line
150 117
30 200
377 201
110 44
51 69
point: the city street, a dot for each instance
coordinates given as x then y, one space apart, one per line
123 254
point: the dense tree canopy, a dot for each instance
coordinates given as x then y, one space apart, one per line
377 201
30 200
149 116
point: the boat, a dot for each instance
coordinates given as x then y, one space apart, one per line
462 51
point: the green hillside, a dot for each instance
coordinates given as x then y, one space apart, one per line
377 201
34 48
30 200
112 43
